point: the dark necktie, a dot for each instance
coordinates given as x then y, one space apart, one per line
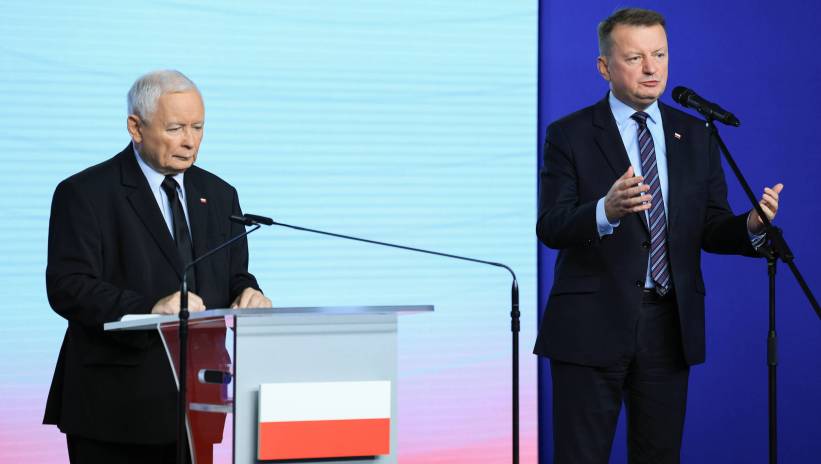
181 235
659 260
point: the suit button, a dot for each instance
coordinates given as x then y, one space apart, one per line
639 283
645 244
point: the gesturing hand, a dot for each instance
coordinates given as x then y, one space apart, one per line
769 204
626 196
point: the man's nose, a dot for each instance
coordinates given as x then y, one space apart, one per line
649 67
188 138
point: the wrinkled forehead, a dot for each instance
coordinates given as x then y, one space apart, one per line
638 39
184 106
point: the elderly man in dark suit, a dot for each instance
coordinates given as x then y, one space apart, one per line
119 235
631 191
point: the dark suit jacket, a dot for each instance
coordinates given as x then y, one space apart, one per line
109 254
593 306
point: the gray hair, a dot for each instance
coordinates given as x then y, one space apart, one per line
626 17
147 89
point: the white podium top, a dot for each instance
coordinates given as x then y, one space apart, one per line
151 321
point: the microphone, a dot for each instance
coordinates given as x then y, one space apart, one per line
514 306
246 219
250 220
689 99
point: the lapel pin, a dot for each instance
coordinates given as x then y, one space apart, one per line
203 201
677 135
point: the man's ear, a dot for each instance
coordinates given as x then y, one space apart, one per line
601 64
134 128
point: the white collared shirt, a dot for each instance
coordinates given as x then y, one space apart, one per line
155 180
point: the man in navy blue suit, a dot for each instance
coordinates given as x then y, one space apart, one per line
631 192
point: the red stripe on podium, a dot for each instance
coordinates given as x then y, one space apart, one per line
324 439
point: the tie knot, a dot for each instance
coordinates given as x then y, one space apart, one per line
640 117
170 186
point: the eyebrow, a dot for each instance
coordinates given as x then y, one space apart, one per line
178 123
636 52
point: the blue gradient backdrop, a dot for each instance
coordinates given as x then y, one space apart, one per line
409 122
758 59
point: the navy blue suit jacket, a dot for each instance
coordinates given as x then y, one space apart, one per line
591 313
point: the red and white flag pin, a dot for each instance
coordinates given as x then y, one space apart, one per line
677 135
203 201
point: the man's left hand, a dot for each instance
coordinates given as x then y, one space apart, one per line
769 204
251 298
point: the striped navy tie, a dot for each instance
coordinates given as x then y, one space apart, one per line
659 260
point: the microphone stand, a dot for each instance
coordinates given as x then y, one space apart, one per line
776 248
183 331
514 313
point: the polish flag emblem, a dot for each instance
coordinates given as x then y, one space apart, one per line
203 201
309 420
677 135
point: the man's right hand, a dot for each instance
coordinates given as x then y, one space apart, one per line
626 196
171 304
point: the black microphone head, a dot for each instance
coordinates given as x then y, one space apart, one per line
241 220
680 95
266 221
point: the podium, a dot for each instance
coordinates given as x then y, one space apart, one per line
314 384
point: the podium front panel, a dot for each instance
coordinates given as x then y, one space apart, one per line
310 349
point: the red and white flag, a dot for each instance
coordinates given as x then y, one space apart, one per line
324 419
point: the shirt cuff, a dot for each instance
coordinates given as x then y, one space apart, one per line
756 239
605 227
